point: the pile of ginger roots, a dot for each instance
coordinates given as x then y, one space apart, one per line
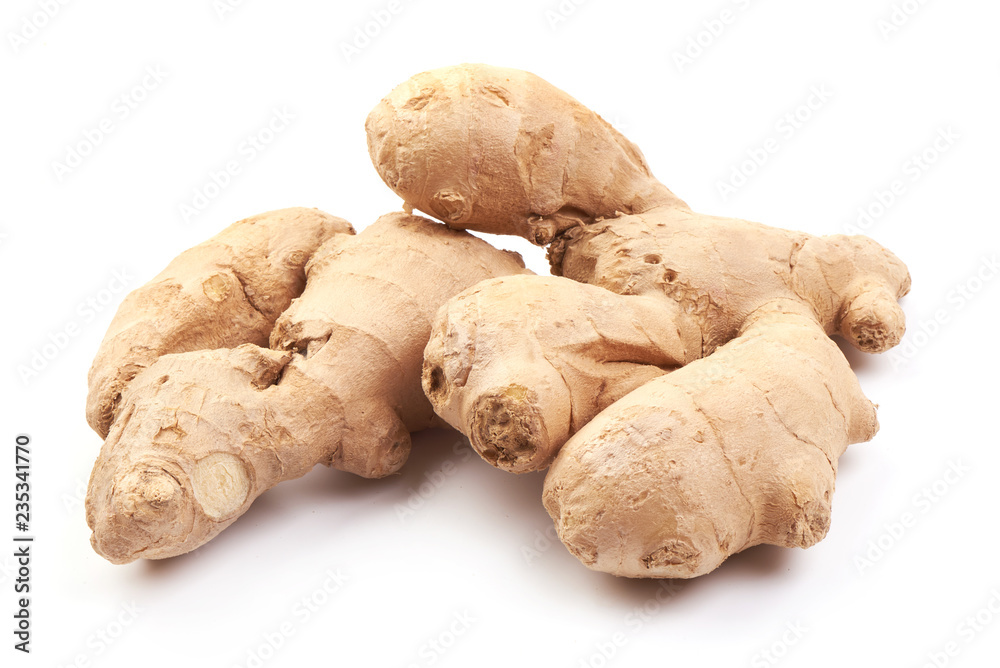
675 374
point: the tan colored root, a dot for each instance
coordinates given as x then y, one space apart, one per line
731 451
718 270
695 277
202 434
151 493
520 363
456 135
362 323
502 151
226 291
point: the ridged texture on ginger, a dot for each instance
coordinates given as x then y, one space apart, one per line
503 151
521 365
734 450
522 362
221 293
202 434
719 270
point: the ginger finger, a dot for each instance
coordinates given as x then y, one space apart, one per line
519 363
503 151
734 450
202 434
224 292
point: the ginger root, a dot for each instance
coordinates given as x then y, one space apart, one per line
676 373
198 433
732 451
219 294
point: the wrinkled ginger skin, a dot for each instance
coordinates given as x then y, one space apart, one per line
221 293
719 270
637 487
184 409
731 451
500 372
519 364
202 434
503 151
366 347
525 361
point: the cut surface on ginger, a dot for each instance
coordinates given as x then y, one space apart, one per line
221 485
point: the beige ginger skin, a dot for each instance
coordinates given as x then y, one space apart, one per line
204 417
677 374
224 292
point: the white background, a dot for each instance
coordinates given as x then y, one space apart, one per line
478 545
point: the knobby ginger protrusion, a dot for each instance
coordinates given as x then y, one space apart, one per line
198 434
677 373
